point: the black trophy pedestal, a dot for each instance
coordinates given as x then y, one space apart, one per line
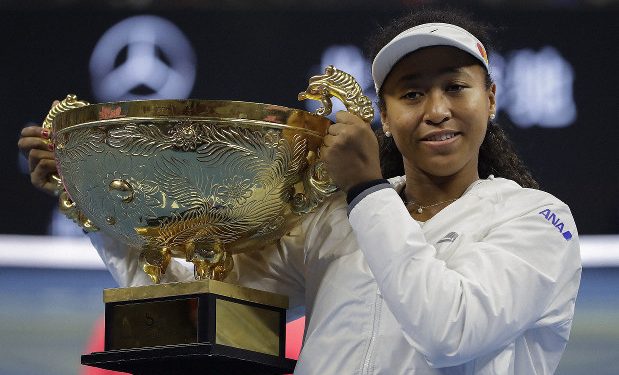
203 359
202 327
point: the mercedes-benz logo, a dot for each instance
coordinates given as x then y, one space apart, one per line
142 57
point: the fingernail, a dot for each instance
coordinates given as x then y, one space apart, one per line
45 133
50 146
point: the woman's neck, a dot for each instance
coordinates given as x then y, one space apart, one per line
438 192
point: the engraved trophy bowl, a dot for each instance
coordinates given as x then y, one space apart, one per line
195 179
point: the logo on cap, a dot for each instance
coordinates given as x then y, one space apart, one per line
482 52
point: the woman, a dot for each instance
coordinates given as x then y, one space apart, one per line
435 271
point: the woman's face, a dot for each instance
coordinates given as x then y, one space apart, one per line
437 108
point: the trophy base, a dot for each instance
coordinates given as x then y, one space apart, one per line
200 327
203 359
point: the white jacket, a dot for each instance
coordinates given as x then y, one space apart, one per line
487 286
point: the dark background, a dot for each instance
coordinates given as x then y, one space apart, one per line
264 55
262 51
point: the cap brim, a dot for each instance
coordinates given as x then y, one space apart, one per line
416 38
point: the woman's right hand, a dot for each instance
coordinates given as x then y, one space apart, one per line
34 144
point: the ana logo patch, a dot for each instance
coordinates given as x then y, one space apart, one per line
556 221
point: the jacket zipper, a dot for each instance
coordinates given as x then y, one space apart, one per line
365 370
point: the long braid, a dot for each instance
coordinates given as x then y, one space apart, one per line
391 163
498 157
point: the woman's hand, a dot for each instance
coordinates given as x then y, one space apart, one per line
34 144
350 152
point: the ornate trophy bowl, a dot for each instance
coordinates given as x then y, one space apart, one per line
199 180
196 179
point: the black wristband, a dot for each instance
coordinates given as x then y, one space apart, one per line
360 188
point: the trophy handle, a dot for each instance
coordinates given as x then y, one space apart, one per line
344 87
334 83
67 206
66 104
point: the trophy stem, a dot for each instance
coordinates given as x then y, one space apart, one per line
211 264
211 261
155 261
204 270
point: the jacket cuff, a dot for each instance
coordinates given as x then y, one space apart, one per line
360 191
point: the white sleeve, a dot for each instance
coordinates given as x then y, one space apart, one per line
282 267
123 263
277 268
488 293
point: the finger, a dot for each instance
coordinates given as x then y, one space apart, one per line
26 144
41 176
35 131
329 140
323 153
336 128
36 156
348 118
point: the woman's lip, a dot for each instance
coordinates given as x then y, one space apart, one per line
426 140
443 142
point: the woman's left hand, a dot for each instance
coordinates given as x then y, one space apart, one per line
350 151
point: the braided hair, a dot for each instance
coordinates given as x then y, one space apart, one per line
497 155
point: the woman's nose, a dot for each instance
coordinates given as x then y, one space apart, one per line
436 109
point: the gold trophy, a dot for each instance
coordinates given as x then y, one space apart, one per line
199 180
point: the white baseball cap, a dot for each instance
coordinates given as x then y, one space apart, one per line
426 35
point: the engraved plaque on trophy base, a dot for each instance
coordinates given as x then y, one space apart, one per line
201 327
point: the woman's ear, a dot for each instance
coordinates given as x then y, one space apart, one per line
491 99
383 120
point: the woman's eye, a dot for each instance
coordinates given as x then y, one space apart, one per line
412 95
455 88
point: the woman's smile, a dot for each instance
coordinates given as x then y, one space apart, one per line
440 139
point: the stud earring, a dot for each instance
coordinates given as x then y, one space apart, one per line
492 116
388 134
